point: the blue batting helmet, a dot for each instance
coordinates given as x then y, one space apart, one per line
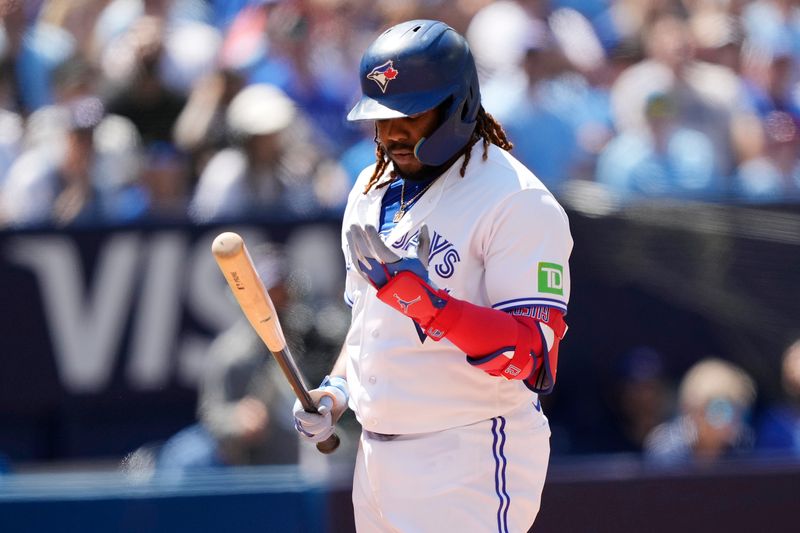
413 67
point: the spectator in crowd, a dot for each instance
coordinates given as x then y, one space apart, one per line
541 83
357 156
165 184
243 399
771 23
307 48
172 67
134 84
773 175
274 166
200 130
239 412
771 169
667 159
714 401
11 121
779 424
641 398
78 163
717 34
45 45
705 97
525 75
11 129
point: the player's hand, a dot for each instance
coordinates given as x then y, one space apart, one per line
402 282
377 263
331 401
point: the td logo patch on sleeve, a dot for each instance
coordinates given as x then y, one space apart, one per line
551 278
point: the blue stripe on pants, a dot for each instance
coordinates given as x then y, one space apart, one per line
498 447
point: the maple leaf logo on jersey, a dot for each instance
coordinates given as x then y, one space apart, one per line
383 74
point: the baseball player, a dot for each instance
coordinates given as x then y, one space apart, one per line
458 279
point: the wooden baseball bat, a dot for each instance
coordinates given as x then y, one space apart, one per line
237 266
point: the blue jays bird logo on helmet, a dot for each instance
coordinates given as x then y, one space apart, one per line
383 74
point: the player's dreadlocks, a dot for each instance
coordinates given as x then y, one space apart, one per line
487 128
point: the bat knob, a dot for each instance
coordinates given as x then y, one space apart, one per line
329 445
227 244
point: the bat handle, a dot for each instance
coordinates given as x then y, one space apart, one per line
329 445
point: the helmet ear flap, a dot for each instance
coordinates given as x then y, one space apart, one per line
465 109
472 101
450 137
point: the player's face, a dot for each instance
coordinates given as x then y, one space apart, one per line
398 136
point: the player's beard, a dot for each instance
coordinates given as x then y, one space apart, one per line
421 172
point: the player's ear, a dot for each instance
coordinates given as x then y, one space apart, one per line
423 245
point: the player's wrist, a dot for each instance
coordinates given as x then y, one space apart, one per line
445 319
336 381
336 387
411 295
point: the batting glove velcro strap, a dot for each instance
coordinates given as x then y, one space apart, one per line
412 296
510 362
331 400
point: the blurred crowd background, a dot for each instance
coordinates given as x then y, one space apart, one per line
128 109
131 112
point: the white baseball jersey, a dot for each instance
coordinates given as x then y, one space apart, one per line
498 239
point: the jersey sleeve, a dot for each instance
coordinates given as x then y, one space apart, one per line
526 252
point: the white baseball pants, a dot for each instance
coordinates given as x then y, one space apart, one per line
480 478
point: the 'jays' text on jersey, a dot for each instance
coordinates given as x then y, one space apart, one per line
498 239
